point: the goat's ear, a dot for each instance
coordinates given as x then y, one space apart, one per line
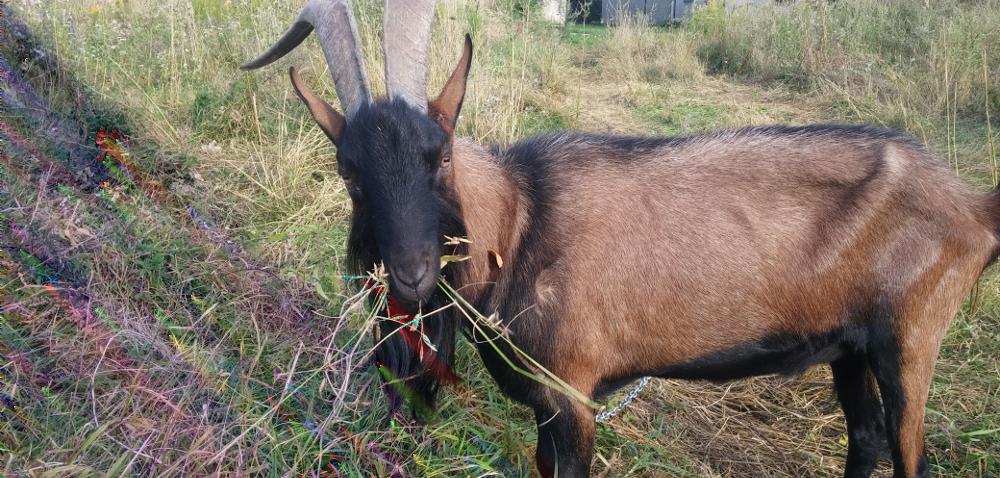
329 120
445 108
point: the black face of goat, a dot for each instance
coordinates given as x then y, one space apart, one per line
390 157
395 162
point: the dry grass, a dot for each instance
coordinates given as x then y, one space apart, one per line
637 53
910 58
217 345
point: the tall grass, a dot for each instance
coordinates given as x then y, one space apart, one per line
637 52
924 57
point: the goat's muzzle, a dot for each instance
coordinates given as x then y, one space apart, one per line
413 276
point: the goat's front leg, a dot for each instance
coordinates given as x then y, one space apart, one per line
565 439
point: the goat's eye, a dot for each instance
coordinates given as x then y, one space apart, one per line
445 161
349 183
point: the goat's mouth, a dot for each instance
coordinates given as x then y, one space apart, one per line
414 285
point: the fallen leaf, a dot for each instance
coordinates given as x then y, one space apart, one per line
496 259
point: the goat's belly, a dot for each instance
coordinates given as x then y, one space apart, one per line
785 354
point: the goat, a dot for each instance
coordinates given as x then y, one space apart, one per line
760 250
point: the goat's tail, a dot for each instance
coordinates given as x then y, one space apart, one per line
992 211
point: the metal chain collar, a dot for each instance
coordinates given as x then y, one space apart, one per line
611 412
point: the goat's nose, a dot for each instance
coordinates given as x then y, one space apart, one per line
412 274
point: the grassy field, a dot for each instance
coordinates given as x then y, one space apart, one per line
172 232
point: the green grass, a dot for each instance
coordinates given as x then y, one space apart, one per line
585 36
674 119
220 343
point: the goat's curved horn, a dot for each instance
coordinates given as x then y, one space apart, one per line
338 36
407 26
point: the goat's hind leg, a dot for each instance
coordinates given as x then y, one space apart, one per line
858 395
903 364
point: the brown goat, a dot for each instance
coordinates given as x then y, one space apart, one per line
717 256
721 256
